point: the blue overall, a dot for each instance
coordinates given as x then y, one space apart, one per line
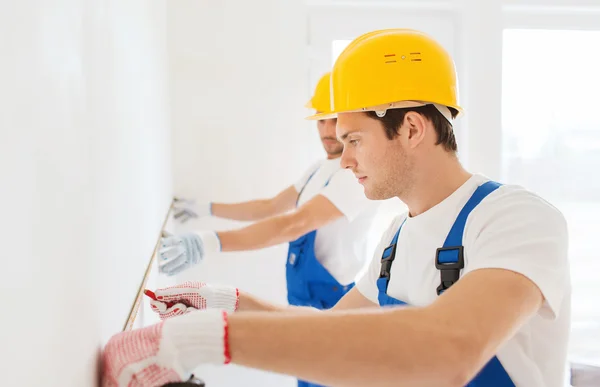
308 282
449 260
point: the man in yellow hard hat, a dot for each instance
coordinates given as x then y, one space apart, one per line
470 287
325 217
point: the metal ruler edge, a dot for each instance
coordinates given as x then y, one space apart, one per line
138 299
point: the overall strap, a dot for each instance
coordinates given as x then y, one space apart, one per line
388 256
305 184
331 177
310 177
449 259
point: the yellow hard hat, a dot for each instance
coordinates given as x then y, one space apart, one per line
393 68
320 100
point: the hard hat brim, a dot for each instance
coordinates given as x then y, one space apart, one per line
322 116
393 105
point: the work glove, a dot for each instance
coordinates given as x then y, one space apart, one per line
166 352
185 209
180 252
190 296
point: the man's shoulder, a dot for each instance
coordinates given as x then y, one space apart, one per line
509 196
517 205
314 166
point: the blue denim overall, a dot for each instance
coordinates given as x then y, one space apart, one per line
308 282
449 260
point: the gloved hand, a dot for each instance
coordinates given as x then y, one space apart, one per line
185 209
190 296
166 352
180 252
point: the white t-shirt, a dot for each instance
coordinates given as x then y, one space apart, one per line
512 229
341 245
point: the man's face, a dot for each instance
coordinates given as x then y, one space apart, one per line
327 133
380 164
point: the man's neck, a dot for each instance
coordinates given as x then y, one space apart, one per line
434 182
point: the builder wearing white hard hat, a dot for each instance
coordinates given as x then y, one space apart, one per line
470 287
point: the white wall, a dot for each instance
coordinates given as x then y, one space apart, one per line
85 178
239 83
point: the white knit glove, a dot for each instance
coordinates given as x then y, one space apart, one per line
166 352
190 296
185 209
180 252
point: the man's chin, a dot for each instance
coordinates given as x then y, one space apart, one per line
334 154
369 193
375 194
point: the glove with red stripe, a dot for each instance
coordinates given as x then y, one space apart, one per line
166 352
190 296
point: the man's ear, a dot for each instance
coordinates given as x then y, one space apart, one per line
416 126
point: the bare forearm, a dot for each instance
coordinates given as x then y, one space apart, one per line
354 348
248 211
257 209
248 303
266 233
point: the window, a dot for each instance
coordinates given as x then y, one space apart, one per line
551 144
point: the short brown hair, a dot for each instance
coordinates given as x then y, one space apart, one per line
445 133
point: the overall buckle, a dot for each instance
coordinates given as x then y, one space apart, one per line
449 261
389 253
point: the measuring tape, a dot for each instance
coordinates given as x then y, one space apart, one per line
138 299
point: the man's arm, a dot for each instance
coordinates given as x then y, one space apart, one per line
257 209
351 300
312 215
444 344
